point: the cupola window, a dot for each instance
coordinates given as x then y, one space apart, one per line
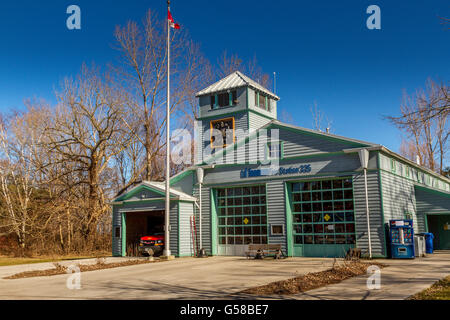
225 99
262 101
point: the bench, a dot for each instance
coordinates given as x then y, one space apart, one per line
265 250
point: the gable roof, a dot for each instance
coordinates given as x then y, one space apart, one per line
363 144
406 160
233 81
180 175
357 145
276 123
318 133
157 187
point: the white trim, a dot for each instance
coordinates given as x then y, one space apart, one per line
160 187
233 81
400 157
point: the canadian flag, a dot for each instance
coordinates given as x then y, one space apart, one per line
171 21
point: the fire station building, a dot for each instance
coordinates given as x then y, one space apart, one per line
315 193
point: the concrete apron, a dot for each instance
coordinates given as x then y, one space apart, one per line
223 277
402 279
184 278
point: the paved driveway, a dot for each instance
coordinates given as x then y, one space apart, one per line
220 277
400 280
185 278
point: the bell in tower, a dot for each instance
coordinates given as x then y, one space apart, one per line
235 102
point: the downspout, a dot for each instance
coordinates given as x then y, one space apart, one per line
200 182
200 175
364 159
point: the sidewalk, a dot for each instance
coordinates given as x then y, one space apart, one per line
6 271
400 280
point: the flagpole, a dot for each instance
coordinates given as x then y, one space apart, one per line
167 252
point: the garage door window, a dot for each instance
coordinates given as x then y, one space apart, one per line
242 215
323 212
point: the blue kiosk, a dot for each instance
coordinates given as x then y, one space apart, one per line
402 239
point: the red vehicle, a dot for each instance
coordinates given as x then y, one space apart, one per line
152 245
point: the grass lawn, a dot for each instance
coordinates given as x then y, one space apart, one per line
9 261
438 291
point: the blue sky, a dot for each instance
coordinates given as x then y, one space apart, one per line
320 50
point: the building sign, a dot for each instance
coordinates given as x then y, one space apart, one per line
252 173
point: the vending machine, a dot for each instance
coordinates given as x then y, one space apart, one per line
402 239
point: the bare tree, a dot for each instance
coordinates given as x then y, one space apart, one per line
409 150
286 117
60 165
433 101
228 64
143 73
318 119
19 141
423 118
445 22
85 133
129 164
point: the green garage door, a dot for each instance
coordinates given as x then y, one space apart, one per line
323 217
439 226
434 205
242 218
